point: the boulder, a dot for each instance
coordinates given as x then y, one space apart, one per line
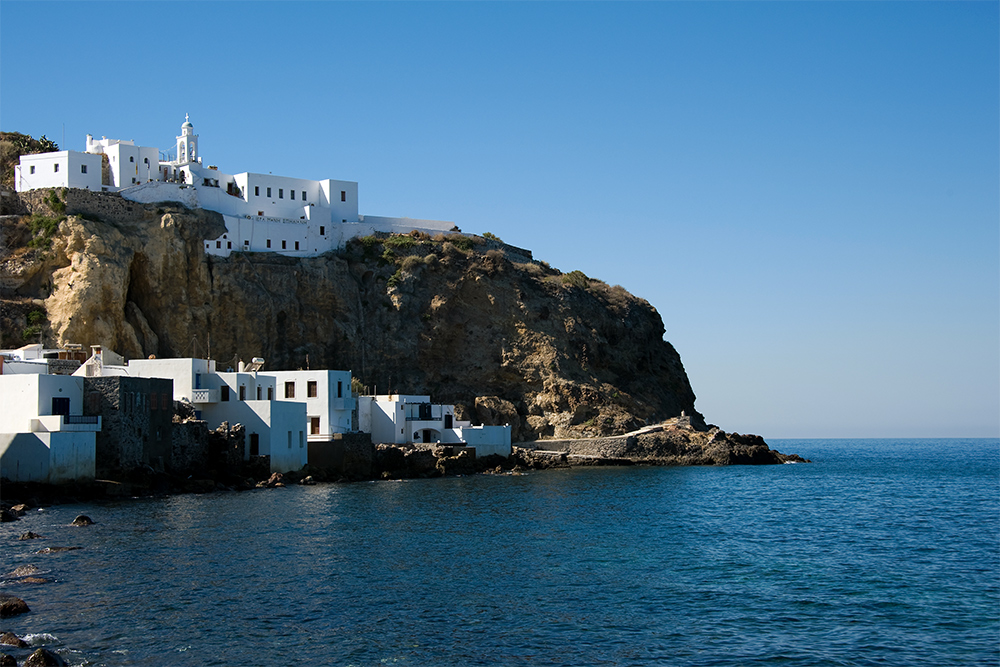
7 660
12 606
44 658
7 515
83 520
20 509
24 571
53 550
29 536
10 639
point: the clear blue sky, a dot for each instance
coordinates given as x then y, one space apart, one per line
808 193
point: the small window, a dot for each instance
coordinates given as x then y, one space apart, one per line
322 230
229 245
269 243
256 191
340 389
258 391
224 393
303 195
269 192
131 159
289 390
243 392
343 195
246 242
260 212
296 245
32 169
281 193
145 161
314 426
83 169
133 179
289 439
218 244
55 167
291 193
152 400
311 388
270 393
284 245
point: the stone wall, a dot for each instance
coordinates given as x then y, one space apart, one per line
350 455
136 422
189 447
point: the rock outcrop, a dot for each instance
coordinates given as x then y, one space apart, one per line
457 317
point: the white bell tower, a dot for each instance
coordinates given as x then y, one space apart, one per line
187 143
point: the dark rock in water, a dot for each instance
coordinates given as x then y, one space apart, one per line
29 536
83 520
7 660
12 606
308 481
44 658
34 580
52 550
20 509
7 516
24 571
10 639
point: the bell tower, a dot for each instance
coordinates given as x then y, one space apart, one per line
187 143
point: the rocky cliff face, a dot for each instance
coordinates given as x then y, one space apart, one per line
509 341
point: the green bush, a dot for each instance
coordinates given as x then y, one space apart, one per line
492 237
394 279
411 263
31 331
400 242
55 203
576 279
36 317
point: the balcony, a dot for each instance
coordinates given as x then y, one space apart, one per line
66 423
204 396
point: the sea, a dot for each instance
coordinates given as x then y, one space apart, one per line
878 552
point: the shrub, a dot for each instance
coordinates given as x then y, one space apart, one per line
492 237
400 242
411 263
388 256
431 260
394 279
576 279
54 202
35 317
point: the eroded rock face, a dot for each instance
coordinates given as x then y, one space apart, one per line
552 354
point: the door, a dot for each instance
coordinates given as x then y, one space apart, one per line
254 444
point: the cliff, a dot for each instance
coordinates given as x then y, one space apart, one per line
464 319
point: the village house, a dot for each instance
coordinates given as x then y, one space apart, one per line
263 213
401 419
44 434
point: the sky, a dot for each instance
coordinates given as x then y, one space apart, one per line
807 192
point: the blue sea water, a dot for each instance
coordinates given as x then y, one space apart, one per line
880 552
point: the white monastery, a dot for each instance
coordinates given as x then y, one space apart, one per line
263 213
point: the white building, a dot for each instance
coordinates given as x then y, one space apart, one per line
44 435
33 358
282 411
263 213
399 419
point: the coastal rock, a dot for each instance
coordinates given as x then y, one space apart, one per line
6 515
24 571
464 319
29 536
10 639
12 606
20 509
83 520
54 550
7 660
44 658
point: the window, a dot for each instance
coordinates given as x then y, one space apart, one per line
55 167
289 439
340 389
281 193
243 392
291 193
311 388
246 242
256 191
260 212
269 243
269 192
224 393
32 169
229 245
152 400
296 245
133 179
83 169
218 244
289 390
284 245
131 159
314 426
166 401
145 161
322 230
343 195
303 195
258 391
270 393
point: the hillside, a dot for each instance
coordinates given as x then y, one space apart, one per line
507 339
